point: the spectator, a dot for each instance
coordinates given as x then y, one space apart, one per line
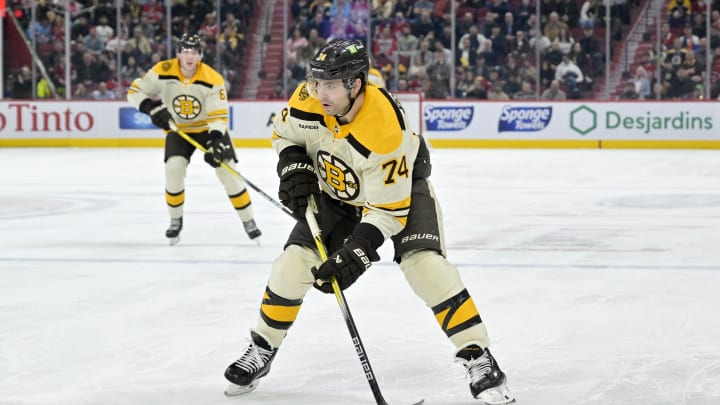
88 72
466 84
554 92
520 45
154 11
629 92
118 41
423 6
660 91
553 55
462 26
209 29
569 12
405 7
81 92
564 41
466 55
553 26
80 28
384 44
667 36
417 66
528 71
357 27
591 47
407 42
382 9
423 24
525 93
570 75
681 85
23 86
499 43
641 81
537 39
93 43
487 53
588 14
296 41
689 40
439 70
547 73
479 91
130 69
141 43
674 57
102 92
103 30
42 29
511 84
679 13
508 27
57 29
496 92
522 14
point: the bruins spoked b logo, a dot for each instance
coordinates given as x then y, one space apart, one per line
186 106
338 175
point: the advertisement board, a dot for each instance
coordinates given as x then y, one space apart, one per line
457 123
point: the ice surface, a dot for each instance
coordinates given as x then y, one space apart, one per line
597 273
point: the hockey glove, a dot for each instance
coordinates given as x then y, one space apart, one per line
216 149
297 180
159 115
347 265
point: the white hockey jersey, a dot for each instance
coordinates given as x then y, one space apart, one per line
196 104
367 162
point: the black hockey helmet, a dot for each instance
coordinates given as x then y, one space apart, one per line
341 59
190 42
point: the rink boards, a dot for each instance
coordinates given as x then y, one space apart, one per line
456 124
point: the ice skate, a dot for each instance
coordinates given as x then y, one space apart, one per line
252 230
173 232
254 364
487 381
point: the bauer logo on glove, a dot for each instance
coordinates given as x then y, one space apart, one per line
346 265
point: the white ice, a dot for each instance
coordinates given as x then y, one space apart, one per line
597 273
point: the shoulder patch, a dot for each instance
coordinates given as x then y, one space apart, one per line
166 66
303 93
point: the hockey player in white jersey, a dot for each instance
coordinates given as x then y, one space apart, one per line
348 143
192 95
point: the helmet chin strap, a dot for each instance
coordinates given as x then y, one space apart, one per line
350 106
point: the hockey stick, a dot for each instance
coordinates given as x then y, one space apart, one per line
227 167
359 347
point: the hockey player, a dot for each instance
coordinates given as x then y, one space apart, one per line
348 143
191 95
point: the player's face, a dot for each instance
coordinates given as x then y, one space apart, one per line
189 59
333 96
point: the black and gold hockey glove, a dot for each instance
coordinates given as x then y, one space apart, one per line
217 149
158 113
347 264
297 179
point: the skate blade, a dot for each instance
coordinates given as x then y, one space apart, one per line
174 241
234 389
499 395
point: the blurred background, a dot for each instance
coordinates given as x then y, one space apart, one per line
445 49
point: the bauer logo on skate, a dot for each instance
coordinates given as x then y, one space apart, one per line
524 119
448 118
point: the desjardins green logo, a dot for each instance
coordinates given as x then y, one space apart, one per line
584 120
